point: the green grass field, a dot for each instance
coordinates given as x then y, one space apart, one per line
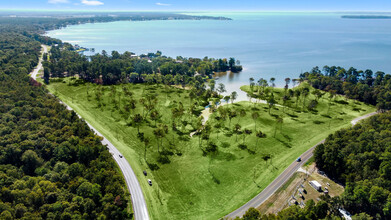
194 185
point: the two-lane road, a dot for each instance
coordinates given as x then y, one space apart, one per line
137 196
138 200
35 72
282 178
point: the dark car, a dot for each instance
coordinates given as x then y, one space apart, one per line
145 173
120 156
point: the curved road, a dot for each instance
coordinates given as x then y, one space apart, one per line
282 178
138 200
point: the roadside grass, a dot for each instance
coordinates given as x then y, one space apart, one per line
279 199
195 185
309 162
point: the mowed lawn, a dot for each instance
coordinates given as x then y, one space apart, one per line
198 186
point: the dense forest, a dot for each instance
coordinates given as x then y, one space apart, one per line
116 68
360 158
366 86
52 166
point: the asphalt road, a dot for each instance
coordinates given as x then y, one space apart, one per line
138 200
282 178
35 72
137 196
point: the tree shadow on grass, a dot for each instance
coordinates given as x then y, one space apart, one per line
286 144
225 156
292 115
287 137
214 178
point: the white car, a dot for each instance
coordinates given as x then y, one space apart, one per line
150 182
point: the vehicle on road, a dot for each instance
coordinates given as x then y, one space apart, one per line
150 182
298 159
120 156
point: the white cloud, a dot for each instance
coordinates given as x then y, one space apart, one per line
57 1
91 2
162 4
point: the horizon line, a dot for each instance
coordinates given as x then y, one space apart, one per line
196 11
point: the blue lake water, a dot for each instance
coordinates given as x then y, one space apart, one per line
268 45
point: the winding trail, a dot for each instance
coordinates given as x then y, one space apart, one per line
137 196
282 178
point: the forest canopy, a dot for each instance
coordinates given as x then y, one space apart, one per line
52 166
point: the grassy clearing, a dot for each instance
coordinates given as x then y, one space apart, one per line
195 184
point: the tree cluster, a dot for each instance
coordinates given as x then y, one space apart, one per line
366 86
118 68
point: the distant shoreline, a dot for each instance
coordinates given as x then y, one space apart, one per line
366 17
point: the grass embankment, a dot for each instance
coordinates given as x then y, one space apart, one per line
194 185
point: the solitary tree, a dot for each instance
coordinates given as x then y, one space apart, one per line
231 114
287 81
272 82
137 119
227 98
252 83
305 93
221 88
237 130
297 95
279 120
212 84
259 135
271 102
159 133
155 115
255 116
331 96
246 132
285 98
234 95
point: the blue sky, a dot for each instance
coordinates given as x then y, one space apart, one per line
201 5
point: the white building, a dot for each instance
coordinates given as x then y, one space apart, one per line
316 185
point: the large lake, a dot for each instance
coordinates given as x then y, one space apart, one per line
268 45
